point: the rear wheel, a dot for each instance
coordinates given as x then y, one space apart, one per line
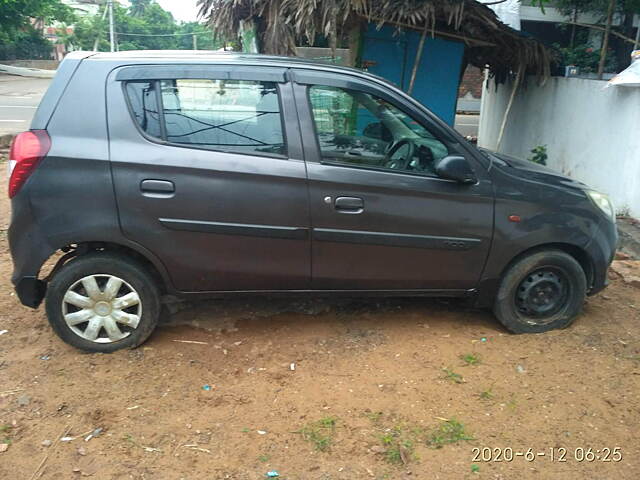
540 292
102 302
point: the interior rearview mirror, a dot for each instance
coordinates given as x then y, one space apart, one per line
456 167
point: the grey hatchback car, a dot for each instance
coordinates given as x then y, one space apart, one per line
196 174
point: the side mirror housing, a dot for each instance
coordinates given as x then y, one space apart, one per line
457 168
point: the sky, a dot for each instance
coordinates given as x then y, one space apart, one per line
183 10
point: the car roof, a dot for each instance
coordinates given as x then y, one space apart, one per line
210 56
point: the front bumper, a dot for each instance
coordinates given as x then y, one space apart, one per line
602 249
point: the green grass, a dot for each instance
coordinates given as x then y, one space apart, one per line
263 458
486 394
374 416
449 431
470 359
5 432
399 443
320 433
452 376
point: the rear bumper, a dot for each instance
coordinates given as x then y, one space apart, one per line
31 291
29 251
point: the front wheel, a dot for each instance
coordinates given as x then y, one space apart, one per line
102 302
540 292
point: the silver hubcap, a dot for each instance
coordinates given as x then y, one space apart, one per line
102 308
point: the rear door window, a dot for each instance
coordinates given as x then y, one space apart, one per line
144 105
242 116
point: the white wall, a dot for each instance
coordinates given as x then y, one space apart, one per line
592 135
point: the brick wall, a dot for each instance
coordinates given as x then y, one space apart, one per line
471 82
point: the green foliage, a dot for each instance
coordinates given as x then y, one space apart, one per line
449 431
452 376
539 3
18 38
145 25
486 394
320 433
470 359
586 57
539 155
399 442
17 14
596 7
206 38
27 43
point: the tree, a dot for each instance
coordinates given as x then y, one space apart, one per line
17 14
606 11
150 28
206 39
138 7
18 36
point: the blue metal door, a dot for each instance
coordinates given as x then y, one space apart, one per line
391 55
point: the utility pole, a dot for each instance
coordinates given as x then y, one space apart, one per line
111 40
97 41
195 41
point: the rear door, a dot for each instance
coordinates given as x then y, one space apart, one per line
381 218
209 174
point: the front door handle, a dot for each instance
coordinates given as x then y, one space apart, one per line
157 188
349 205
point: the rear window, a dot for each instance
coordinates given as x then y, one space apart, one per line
240 116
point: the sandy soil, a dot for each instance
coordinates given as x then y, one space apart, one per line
374 381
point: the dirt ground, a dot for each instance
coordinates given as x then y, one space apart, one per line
380 389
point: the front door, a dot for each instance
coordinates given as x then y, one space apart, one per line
209 175
381 218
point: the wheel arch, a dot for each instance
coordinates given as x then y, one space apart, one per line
149 261
488 287
579 254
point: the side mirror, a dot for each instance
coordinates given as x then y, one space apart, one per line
456 167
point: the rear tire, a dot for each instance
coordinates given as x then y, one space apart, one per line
103 302
542 291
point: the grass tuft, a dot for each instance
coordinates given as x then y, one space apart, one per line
449 431
470 359
320 433
452 376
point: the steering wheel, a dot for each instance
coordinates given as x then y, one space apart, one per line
402 163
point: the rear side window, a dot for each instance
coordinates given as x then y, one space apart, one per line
143 99
240 116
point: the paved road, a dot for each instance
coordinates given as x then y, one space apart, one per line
467 125
19 98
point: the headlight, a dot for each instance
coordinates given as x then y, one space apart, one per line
602 201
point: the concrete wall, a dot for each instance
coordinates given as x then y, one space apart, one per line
591 134
43 64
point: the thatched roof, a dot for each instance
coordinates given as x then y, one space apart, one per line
282 22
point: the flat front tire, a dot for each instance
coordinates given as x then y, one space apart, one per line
542 291
103 302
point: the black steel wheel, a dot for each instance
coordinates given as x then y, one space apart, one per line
542 291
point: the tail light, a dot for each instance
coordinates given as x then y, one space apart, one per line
27 149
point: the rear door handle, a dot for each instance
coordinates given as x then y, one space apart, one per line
349 205
157 188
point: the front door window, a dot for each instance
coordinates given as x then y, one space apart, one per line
357 129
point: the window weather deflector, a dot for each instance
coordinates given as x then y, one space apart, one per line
218 72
